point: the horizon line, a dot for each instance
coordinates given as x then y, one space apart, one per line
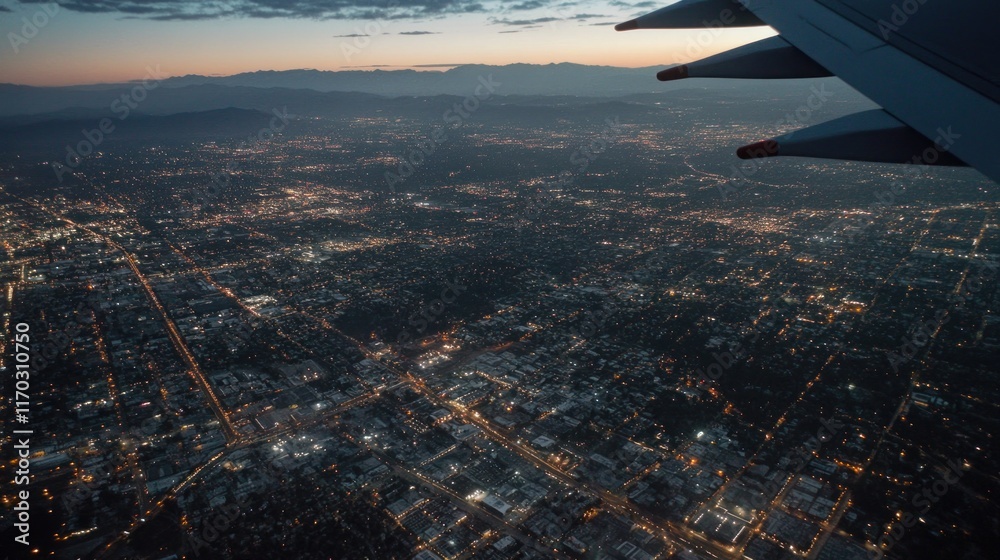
422 68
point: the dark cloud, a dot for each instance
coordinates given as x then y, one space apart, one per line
175 17
419 33
302 9
527 5
637 5
5 9
523 22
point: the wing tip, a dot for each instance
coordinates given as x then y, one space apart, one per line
675 73
628 25
762 149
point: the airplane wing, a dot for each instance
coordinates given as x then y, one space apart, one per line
933 67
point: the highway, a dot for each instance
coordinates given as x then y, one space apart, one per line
175 337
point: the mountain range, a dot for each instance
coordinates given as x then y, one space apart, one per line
249 90
204 107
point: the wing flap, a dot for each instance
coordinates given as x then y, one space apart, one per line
771 58
911 90
866 136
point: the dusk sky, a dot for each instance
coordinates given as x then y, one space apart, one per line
92 41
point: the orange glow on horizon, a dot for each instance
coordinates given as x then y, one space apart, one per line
77 48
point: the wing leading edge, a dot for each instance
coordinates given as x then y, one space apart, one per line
933 70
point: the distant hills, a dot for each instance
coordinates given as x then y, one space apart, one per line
51 136
217 112
303 85
267 89
513 79
202 107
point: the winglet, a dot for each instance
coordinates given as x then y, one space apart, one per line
762 149
628 25
675 73
872 135
771 58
